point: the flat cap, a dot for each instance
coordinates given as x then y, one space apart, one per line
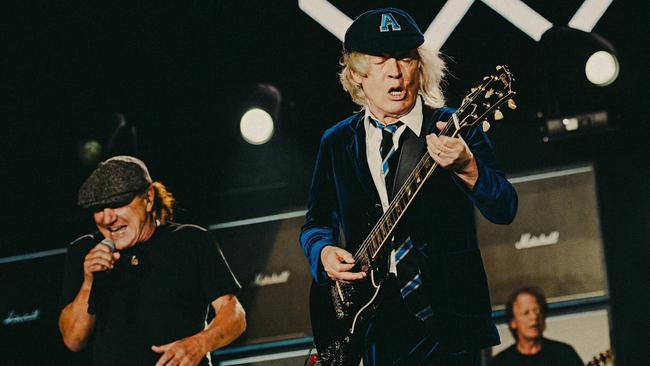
383 31
114 183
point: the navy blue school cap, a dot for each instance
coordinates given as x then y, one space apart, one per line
383 31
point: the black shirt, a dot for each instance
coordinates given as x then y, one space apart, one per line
553 353
158 292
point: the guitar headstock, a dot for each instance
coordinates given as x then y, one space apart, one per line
602 359
484 100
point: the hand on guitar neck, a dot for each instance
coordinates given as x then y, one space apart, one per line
452 153
337 263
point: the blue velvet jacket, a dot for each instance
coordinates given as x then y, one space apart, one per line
343 207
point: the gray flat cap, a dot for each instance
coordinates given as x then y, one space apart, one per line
114 183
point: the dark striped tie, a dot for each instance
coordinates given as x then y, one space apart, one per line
413 289
409 278
388 152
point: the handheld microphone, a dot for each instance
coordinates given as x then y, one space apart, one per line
99 283
108 243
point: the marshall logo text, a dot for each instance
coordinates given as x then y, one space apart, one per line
529 240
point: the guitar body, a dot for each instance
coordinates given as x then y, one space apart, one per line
340 313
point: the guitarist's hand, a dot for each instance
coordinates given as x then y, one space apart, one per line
337 263
453 154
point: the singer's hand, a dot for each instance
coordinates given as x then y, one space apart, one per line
185 352
99 259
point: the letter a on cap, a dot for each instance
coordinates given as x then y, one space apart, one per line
388 20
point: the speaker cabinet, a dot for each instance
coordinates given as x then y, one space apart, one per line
268 261
554 243
30 285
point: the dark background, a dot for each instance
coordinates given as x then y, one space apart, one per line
182 74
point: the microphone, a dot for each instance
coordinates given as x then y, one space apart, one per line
99 282
108 243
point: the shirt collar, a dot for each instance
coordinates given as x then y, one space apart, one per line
412 119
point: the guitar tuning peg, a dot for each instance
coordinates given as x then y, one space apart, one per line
485 125
498 115
511 104
489 93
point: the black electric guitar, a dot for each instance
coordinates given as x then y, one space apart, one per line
340 312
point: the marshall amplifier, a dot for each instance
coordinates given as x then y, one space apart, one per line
266 257
554 243
30 285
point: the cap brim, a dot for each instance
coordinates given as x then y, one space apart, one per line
115 201
383 46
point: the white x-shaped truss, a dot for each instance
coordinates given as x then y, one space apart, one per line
515 11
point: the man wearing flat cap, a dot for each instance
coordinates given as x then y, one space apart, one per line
433 301
140 287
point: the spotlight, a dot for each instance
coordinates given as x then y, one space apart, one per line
258 123
577 73
601 68
256 126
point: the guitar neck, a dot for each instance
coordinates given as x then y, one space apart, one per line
385 226
482 101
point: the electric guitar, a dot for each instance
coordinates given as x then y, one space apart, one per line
340 312
602 359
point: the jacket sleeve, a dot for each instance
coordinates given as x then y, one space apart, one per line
493 194
321 226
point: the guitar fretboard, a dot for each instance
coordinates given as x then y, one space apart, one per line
477 105
384 228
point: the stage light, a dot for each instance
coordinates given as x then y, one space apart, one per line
521 16
327 15
261 115
256 126
601 68
516 12
589 14
576 125
445 22
577 72
90 152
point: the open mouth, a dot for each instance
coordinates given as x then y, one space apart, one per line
397 93
117 229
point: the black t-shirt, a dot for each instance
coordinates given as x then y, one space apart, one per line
158 292
553 353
